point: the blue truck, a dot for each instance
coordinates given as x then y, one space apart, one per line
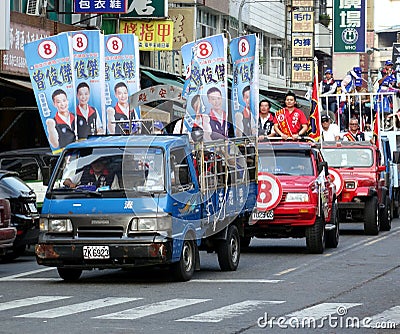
160 200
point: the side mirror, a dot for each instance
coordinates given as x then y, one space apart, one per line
382 168
396 157
323 165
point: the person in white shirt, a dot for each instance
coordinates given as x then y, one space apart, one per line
330 131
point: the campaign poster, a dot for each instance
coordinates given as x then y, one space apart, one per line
245 88
89 74
206 87
122 79
50 69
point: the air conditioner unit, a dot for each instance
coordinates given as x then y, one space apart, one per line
87 20
276 52
33 7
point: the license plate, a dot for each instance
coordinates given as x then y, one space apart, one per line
96 252
263 215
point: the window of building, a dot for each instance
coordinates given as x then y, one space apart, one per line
206 24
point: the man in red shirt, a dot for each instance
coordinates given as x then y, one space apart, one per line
290 122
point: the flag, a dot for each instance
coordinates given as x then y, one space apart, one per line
376 132
314 122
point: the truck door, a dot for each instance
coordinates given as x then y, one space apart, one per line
184 196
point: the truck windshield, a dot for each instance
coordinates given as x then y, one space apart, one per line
286 162
348 157
106 169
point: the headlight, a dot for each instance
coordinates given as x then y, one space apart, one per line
297 197
44 224
151 224
59 225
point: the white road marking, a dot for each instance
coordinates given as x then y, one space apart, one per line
151 309
77 308
283 272
30 301
246 280
321 310
390 316
26 273
230 311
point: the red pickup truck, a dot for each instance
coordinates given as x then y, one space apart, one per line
363 195
296 196
7 233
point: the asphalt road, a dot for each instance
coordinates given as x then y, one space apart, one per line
277 287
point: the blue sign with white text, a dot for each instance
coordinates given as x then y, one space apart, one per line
100 6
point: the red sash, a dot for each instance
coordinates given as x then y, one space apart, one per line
282 122
350 136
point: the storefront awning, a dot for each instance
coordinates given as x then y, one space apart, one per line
15 82
162 80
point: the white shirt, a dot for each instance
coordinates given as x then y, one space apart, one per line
332 132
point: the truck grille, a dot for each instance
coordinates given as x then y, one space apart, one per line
100 232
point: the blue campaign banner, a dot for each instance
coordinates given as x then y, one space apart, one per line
50 70
121 57
89 74
100 7
245 88
206 86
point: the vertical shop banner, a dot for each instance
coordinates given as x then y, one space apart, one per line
245 88
50 68
89 74
121 56
206 86
349 26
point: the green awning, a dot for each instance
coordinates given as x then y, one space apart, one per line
163 81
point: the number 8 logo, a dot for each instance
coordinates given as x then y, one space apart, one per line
269 191
244 47
47 49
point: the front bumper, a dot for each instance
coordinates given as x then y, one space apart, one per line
122 254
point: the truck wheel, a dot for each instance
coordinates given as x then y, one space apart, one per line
385 217
371 217
183 269
229 250
332 236
68 274
315 237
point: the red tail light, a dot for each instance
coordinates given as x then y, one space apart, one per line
5 212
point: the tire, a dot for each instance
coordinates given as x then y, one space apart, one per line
385 217
371 216
229 250
69 275
332 236
315 237
14 252
183 269
244 243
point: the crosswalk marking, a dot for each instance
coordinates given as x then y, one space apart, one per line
30 301
230 311
321 310
151 309
77 308
391 315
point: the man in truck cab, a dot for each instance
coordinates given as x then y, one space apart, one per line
95 174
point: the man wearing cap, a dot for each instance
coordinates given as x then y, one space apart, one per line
330 132
328 86
387 71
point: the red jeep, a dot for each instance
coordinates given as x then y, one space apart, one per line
362 192
296 196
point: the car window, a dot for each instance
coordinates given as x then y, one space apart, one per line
27 168
284 162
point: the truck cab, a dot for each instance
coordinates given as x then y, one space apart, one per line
160 202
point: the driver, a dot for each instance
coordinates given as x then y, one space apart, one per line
96 174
